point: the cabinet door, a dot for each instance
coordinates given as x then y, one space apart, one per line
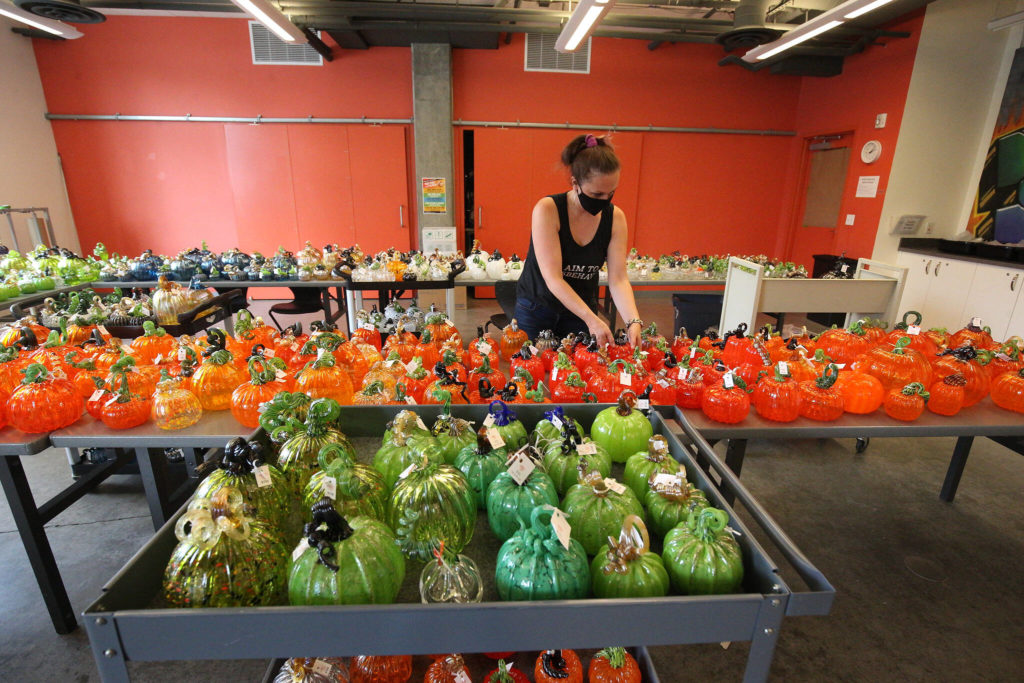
1016 324
947 293
503 197
992 297
380 189
915 289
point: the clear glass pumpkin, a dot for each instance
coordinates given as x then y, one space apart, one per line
310 670
451 579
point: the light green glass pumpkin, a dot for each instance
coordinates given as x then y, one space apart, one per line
596 511
359 490
224 558
534 565
562 459
410 424
702 557
622 430
510 505
453 434
407 445
626 568
433 503
549 430
480 464
345 563
298 458
670 503
508 425
642 465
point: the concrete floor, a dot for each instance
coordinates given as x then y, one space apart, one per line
925 590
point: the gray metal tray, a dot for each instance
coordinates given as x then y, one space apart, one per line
123 626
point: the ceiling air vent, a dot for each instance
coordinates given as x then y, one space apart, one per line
542 56
269 49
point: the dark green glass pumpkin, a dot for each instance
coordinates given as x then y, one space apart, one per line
670 502
298 457
407 445
597 511
508 425
626 568
359 490
534 565
433 503
509 505
345 563
562 459
224 558
480 464
702 557
453 434
282 409
642 465
622 430
549 430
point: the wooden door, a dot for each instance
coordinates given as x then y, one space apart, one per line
820 214
380 189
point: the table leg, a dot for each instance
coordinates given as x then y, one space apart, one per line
956 468
350 306
37 546
734 453
449 301
325 303
153 469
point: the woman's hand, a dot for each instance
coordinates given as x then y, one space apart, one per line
599 329
634 335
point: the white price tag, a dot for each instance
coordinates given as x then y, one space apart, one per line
280 374
663 383
784 368
330 487
845 267
555 420
521 468
410 400
463 677
840 366
693 351
691 374
660 446
495 438
421 424
489 420
320 353
269 353
294 346
914 330
625 379
127 349
643 404
561 526
367 326
533 350
302 547
554 374
448 323
159 359
410 366
111 400
614 485
682 372
666 479
407 471
390 364
96 395
975 321
182 354
262 476
322 668
727 381
589 448
483 348
103 330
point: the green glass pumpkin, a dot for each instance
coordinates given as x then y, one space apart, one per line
562 459
642 465
510 505
508 425
345 563
298 458
702 557
282 409
407 445
359 490
622 430
549 430
433 503
596 511
453 434
273 503
480 464
224 558
626 568
534 565
407 422
670 503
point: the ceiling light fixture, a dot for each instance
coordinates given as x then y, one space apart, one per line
582 23
274 19
56 28
851 9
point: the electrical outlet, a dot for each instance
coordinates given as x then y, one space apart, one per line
880 120
850 218
929 227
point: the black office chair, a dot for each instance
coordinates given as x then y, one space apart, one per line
307 300
505 293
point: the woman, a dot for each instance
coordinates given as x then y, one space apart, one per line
573 234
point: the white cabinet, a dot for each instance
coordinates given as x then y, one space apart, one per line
993 297
915 286
937 288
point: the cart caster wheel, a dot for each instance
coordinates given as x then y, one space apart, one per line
862 444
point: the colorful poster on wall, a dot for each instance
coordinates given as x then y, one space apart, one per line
998 210
435 195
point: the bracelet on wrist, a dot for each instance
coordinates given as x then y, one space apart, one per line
634 321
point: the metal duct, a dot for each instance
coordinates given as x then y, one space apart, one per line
749 28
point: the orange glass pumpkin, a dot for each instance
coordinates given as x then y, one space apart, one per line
427 350
124 409
450 361
525 358
777 397
910 326
417 379
26 325
512 339
289 342
367 331
875 330
322 378
973 334
448 669
86 377
558 666
374 394
478 349
947 395
505 673
963 360
1006 359
217 378
11 365
690 390
895 365
727 402
862 393
906 404
174 406
43 403
681 344
485 371
442 329
141 383
383 669
844 345
613 665
819 399
570 390
1008 391
445 389
154 342
262 386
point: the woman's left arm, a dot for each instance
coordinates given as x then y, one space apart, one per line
618 282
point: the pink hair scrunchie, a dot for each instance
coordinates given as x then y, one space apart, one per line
591 141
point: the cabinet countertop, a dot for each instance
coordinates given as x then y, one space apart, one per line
935 252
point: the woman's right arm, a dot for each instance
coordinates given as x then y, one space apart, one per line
548 251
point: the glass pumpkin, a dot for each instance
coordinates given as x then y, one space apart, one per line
963 360
345 563
248 397
43 403
372 394
311 670
154 342
777 398
168 301
1008 391
671 500
862 393
643 465
947 395
510 504
124 410
702 557
301 443
323 378
506 673
596 511
626 568
906 404
562 459
549 429
451 578
216 379
534 565
819 399
508 425
724 403
283 408
382 669
512 339
844 345
453 435
613 665
558 666
224 558
433 503
480 464
448 669
895 365
358 490
622 430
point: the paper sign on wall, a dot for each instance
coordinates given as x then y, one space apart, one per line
435 195
867 186
442 239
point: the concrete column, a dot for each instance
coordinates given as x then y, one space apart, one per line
432 127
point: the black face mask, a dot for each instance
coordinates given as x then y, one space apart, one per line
592 205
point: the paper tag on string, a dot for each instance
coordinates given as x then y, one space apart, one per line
975 321
96 395
407 471
320 353
693 351
840 366
555 420
280 374
269 353
845 267
614 485
103 330
262 476
561 526
625 379
422 425
660 446
666 479
533 350
589 448
784 368
410 400
302 547
463 677
643 404
494 437
410 366
367 326
727 381
725 644
330 487
159 359
691 375
663 383
554 374
112 399
521 468
390 364
489 420
182 354
914 330
294 346
483 348
322 667
682 372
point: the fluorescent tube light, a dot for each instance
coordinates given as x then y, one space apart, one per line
1006 22
56 28
274 19
581 23
796 40
853 14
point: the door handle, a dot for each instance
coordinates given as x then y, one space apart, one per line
479 217
927 267
401 215
937 268
1013 282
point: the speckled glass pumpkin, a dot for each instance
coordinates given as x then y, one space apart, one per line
433 503
407 444
509 505
345 563
358 490
224 558
641 466
562 459
301 442
549 429
596 511
480 464
313 670
671 502
626 567
173 406
622 430
702 557
534 565
558 666
453 434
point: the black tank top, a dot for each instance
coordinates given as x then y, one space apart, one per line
580 264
